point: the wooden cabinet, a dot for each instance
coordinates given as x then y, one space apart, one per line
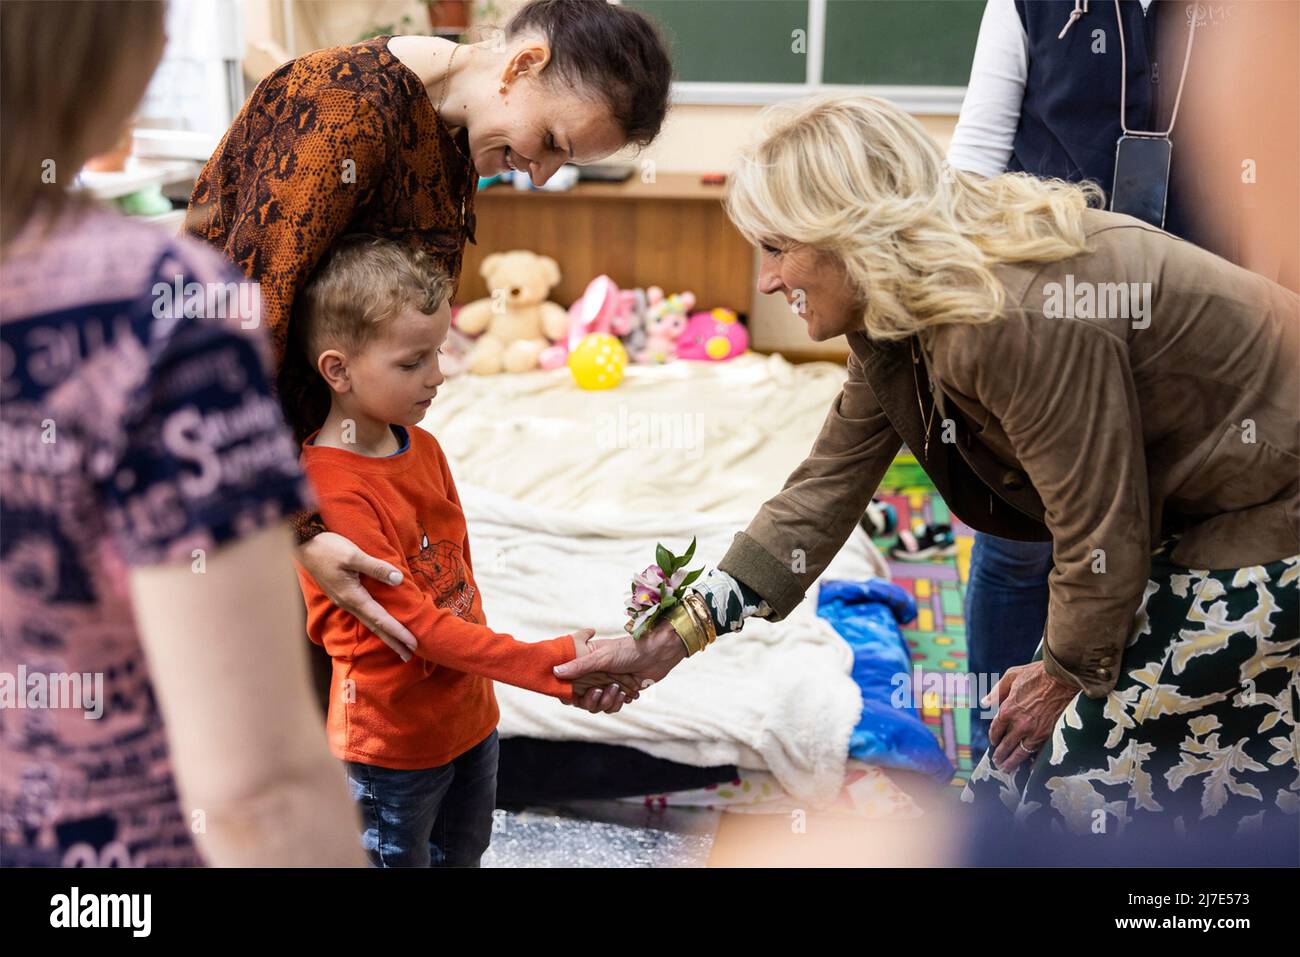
671 233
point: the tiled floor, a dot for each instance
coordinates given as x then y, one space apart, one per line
618 834
602 834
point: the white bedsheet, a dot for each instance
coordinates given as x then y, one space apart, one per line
566 493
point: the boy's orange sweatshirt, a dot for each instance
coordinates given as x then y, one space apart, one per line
422 713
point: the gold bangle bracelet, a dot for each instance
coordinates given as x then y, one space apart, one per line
700 639
688 630
693 624
702 615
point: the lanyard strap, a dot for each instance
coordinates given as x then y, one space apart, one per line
1080 8
1123 77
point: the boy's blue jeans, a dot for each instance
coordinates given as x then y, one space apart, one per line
433 817
1006 612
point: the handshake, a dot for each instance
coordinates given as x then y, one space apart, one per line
610 672
606 674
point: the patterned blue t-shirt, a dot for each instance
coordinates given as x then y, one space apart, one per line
136 427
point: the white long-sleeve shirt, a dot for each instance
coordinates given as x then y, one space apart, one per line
990 113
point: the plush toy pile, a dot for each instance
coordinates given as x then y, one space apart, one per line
518 328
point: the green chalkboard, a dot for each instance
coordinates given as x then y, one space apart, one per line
732 41
901 42
867 42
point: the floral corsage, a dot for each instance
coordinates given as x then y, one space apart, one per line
659 588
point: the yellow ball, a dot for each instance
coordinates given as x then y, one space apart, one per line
598 361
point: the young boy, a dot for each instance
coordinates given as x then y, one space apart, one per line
418 738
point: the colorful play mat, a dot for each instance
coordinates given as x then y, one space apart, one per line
937 637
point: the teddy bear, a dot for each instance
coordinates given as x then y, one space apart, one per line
516 320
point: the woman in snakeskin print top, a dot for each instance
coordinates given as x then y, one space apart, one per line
388 137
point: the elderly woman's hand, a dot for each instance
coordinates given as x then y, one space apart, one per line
646 660
598 691
337 566
1031 703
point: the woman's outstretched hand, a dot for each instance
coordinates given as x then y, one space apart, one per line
599 691
623 663
337 566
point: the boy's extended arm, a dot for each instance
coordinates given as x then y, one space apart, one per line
442 637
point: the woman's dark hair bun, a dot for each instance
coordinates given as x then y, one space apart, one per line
614 51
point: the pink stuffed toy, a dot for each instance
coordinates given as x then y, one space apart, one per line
713 337
603 307
665 321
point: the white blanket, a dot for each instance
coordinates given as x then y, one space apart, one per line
567 492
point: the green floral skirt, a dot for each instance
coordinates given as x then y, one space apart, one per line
1200 733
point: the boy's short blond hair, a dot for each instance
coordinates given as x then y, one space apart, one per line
362 282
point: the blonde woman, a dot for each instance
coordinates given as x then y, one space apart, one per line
1058 371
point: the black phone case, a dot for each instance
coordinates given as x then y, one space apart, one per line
1141 184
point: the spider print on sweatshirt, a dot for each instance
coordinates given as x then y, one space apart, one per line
441 568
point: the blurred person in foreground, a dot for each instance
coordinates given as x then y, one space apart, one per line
146 479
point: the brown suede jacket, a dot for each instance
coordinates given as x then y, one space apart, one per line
1142 390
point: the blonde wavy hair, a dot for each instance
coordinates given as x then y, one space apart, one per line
860 179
